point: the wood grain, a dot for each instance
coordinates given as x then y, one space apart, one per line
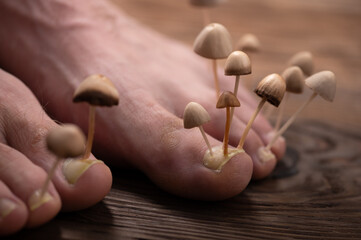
314 194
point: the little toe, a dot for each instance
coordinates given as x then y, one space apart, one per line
25 127
25 180
13 212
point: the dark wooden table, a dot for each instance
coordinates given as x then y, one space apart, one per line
315 193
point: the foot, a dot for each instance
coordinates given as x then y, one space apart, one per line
156 78
25 161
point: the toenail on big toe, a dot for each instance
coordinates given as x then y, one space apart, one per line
37 199
74 169
6 207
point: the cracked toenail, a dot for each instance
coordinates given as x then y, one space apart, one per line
218 160
74 169
37 199
6 207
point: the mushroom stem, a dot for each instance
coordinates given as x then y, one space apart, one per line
289 122
90 139
48 178
235 91
281 111
206 18
206 140
216 82
226 132
250 122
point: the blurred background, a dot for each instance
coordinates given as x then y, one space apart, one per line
329 29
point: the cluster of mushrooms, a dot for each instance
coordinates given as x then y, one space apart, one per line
214 42
67 140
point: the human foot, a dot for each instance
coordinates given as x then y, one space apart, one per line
24 162
156 78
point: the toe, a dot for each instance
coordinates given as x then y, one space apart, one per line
25 127
13 212
25 180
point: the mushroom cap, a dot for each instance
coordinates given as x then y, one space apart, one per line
195 115
294 79
323 83
248 43
227 99
206 3
66 141
213 42
272 87
97 90
304 60
238 63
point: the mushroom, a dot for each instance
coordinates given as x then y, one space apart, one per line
322 83
66 141
304 60
294 84
204 4
270 89
213 42
195 116
248 43
97 90
227 100
237 64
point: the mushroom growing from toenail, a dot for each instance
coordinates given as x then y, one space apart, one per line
227 100
303 60
195 116
270 89
213 42
294 84
322 83
248 43
205 4
97 90
66 141
237 64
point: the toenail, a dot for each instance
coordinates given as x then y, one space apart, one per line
6 207
73 169
264 155
37 200
279 142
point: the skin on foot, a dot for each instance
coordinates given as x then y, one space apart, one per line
25 161
156 78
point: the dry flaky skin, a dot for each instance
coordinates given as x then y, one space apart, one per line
217 160
97 90
66 141
206 3
294 79
213 42
272 87
248 43
323 83
304 60
227 99
195 115
238 63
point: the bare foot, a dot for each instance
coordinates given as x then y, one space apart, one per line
24 162
156 78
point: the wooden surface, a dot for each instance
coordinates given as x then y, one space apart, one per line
314 194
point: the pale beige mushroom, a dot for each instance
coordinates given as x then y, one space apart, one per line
195 116
97 90
303 60
66 141
227 100
213 42
270 89
322 83
248 43
294 84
